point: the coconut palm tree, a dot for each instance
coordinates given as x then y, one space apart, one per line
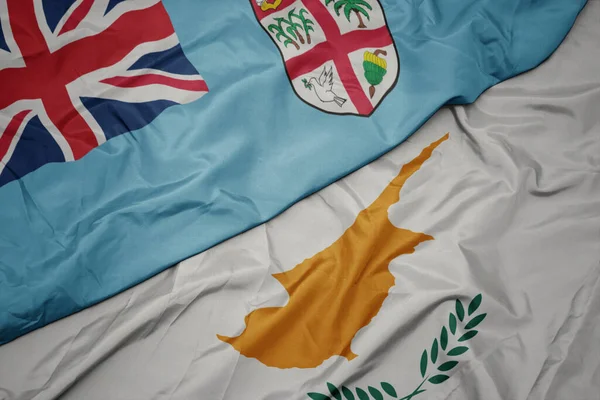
357 6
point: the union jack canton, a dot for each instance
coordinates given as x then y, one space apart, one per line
75 73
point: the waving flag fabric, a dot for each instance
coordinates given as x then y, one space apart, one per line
67 90
372 286
301 93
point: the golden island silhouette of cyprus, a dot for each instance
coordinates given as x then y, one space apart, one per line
335 293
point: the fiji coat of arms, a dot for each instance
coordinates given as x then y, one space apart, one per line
339 54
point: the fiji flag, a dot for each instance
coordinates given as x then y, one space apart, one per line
76 73
302 92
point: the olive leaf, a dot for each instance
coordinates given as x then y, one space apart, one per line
460 310
467 336
457 351
434 351
475 321
362 395
347 393
452 323
474 304
447 366
318 396
459 313
375 393
423 363
334 391
389 389
437 379
444 338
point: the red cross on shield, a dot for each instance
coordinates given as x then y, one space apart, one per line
339 54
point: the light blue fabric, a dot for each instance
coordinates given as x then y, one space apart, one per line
73 234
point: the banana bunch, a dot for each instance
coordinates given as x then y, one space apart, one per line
375 68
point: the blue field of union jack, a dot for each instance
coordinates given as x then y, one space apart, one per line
76 73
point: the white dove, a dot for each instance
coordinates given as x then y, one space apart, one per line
323 87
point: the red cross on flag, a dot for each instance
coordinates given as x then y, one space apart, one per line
339 54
